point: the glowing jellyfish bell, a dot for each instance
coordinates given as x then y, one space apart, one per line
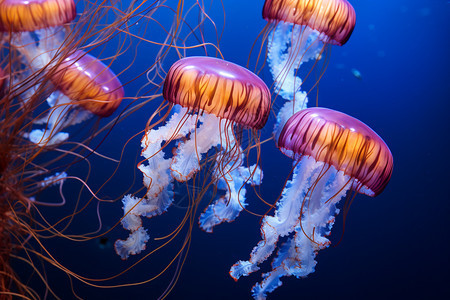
333 154
300 31
84 87
211 100
35 27
331 21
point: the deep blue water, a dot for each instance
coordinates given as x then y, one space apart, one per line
395 246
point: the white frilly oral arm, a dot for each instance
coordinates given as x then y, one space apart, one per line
188 154
297 255
285 219
227 208
157 179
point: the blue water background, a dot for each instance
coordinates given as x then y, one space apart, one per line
395 246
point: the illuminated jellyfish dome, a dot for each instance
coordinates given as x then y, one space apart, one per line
218 87
31 15
90 83
333 20
84 87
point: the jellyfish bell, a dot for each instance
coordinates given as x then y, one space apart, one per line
333 154
89 82
211 101
299 32
334 20
357 150
220 84
84 86
30 15
35 27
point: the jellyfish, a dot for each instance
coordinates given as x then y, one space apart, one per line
300 30
36 27
84 87
210 101
333 155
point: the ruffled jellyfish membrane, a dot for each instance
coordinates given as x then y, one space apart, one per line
84 87
210 101
333 154
299 32
36 27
